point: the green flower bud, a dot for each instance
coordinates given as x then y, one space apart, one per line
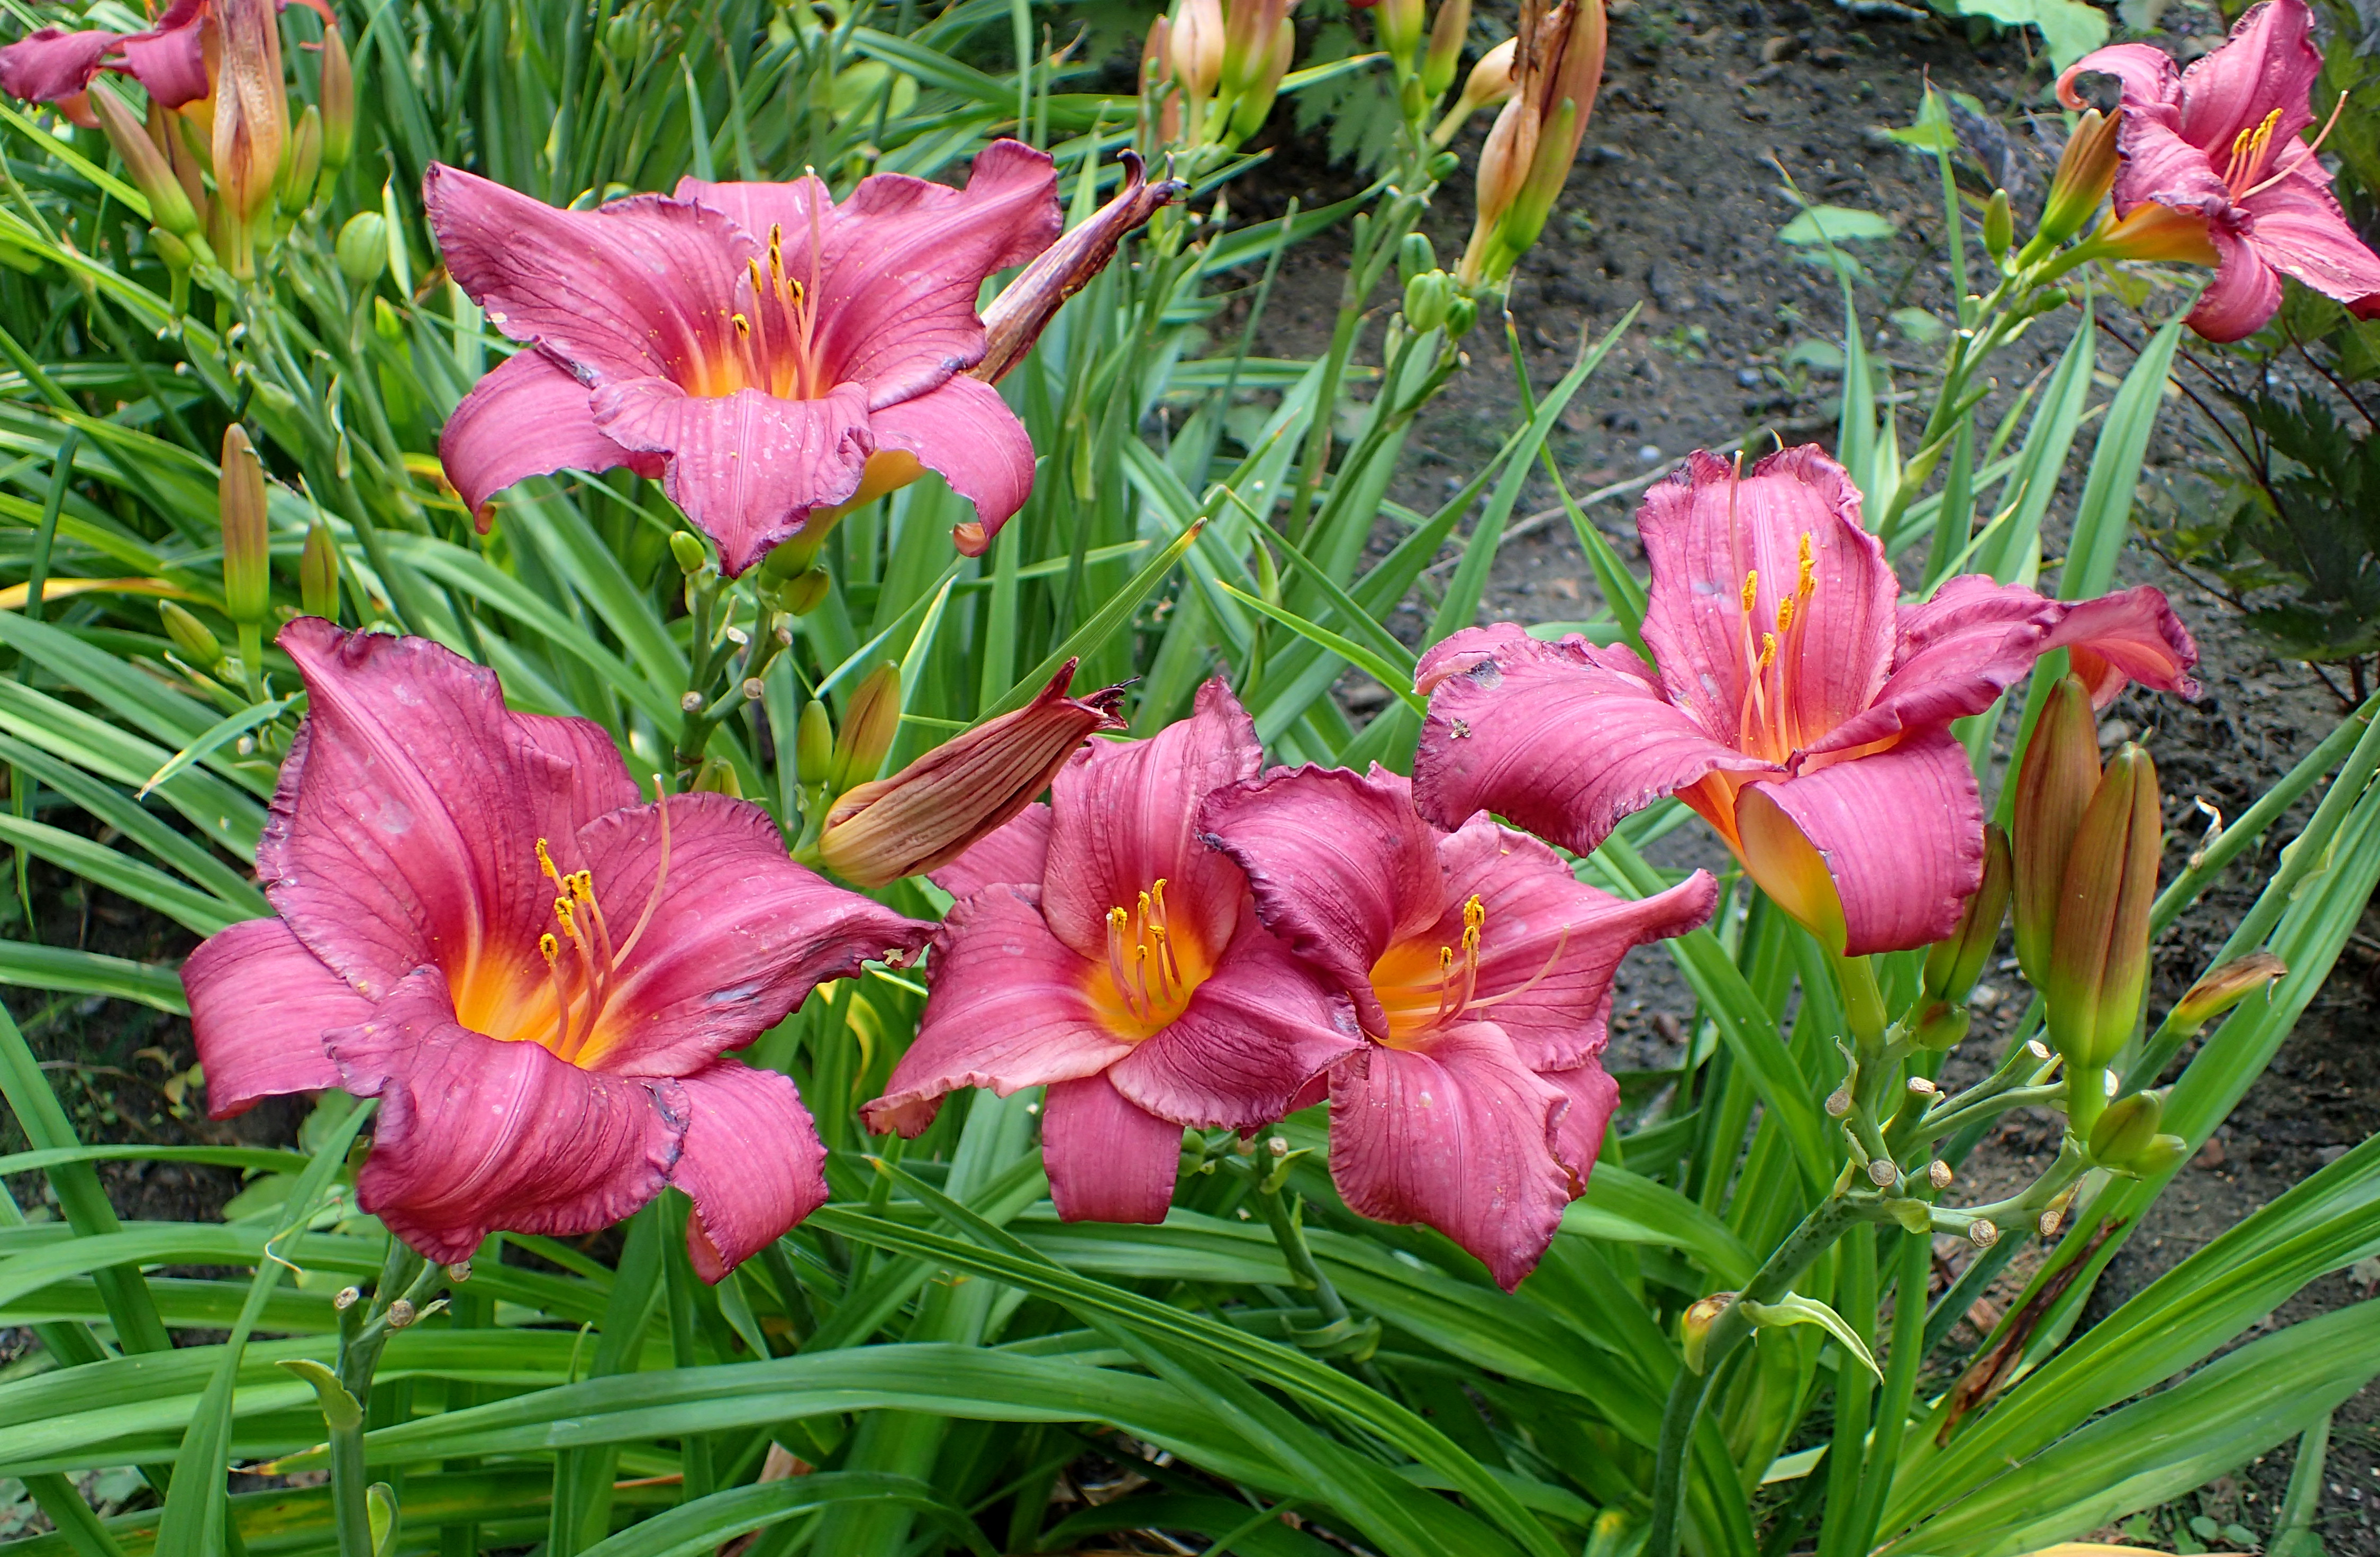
387 322
717 776
318 574
814 746
2162 1155
339 100
1447 31
871 717
363 248
301 163
1415 257
2053 788
804 592
2126 1128
169 204
689 551
1427 298
1941 1026
247 567
1953 966
1694 1326
1999 226
190 637
2085 173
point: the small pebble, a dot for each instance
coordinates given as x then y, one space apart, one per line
1649 454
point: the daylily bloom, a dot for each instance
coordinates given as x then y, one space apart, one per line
537 974
1481 972
55 66
1099 948
2214 171
774 356
1791 702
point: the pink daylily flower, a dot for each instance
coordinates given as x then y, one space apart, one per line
773 357
2217 147
1480 970
535 974
1792 703
1099 948
55 66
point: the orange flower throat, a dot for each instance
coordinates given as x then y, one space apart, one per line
1153 966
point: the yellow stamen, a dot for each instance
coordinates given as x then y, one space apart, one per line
1785 615
1751 590
548 948
1809 571
1767 651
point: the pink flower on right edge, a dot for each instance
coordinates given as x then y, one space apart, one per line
2216 148
1793 702
1481 972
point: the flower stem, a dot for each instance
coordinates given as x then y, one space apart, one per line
1688 1389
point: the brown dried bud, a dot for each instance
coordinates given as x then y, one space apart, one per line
1016 319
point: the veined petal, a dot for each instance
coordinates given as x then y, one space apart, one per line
1976 638
1341 865
904 259
1108 1159
1260 1027
965 431
2269 63
259 1004
1550 944
2245 293
50 64
1126 814
636 289
747 467
1708 534
1012 855
169 62
2158 165
530 417
1008 1010
404 828
1902 833
1552 737
2145 75
752 1161
475 1136
1578 1138
2301 232
1460 1136
737 934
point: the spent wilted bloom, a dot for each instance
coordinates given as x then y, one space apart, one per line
1557 67
482 925
1100 947
1016 318
2214 172
773 356
1791 702
1480 970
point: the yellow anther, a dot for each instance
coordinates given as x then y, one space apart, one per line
1768 649
545 863
1809 571
743 325
1751 590
548 948
1118 919
1445 961
1475 914
1146 905
562 912
582 887
1785 614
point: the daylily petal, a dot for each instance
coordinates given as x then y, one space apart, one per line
1459 1135
965 431
1260 1027
1108 1160
1012 855
1127 814
1578 1138
752 1161
2268 63
475 1136
403 830
737 934
259 1004
170 62
2158 165
1977 638
904 265
530 417
1552 739
2146 75
2301 232
1341 865
1706 532
50 64
1550 944
1901 833
747 467
1008 1010
618 293
2244 294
